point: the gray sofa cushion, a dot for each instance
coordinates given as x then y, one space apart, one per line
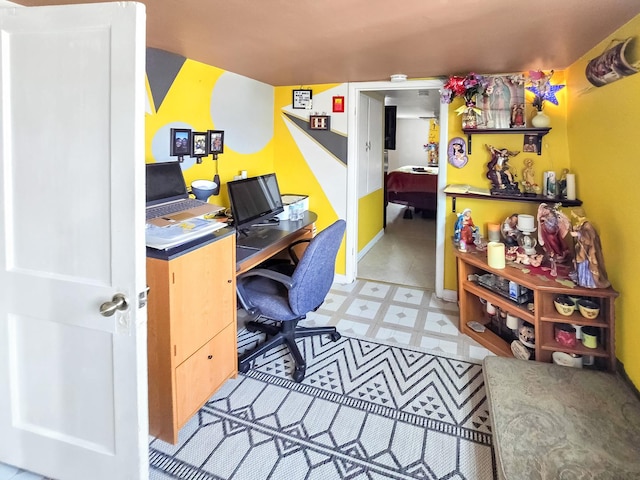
554 422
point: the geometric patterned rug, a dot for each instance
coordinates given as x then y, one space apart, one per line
365 410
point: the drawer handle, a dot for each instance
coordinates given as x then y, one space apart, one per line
210 357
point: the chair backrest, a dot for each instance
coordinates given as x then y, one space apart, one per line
314 274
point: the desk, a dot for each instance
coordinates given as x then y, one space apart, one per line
192 326
246 259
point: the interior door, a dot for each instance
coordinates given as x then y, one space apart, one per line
73 398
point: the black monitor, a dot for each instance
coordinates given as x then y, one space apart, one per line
254 200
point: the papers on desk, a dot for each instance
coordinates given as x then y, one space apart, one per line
162 238
458 188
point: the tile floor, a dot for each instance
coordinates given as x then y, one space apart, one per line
392 300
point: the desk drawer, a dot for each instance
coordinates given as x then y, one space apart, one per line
198 377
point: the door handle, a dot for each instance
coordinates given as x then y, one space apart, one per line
118 302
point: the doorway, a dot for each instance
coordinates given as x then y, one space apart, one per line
353 171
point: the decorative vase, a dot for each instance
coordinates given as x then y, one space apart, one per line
540 120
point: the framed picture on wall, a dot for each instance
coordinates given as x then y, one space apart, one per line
215 141
302 98
503 106
180 142
199 144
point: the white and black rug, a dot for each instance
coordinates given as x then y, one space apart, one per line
365 410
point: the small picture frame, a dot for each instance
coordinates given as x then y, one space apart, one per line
456 153
215 141
199 144
530 144
302 98
319 122
180 142
338 104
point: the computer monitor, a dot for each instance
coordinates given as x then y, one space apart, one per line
254 200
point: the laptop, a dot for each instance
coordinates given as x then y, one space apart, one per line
172 217
168 201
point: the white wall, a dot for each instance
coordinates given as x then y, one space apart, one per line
411 136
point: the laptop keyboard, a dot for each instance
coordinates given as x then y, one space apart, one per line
168 209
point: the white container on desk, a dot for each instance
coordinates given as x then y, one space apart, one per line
290 199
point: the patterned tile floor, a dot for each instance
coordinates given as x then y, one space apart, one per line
405 312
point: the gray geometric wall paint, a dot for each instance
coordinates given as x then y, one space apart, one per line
336 144
162 69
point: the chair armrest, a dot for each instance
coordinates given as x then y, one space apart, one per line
265 272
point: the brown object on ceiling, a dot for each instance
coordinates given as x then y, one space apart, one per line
292 42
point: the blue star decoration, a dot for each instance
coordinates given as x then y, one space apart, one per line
548 93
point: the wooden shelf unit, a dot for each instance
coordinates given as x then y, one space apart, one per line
544 316
538 132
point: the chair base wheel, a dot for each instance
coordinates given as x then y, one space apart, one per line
243 367
298 374
335 336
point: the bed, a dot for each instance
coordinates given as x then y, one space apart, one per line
415 187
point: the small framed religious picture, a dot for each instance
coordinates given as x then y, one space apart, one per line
319 122
456 152
530 144
302 98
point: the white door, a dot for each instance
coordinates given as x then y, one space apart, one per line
73 391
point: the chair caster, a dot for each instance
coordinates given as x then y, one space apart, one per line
251 328
243 367
335 336
298 374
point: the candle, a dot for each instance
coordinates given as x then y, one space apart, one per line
494 232
525 222
495 255
571 186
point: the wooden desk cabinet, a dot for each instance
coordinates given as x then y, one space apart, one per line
544 317
192 346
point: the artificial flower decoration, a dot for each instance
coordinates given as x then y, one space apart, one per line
542 88
468 87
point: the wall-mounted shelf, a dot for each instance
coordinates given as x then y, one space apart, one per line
514 198
538 132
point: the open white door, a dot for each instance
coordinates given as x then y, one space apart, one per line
73 391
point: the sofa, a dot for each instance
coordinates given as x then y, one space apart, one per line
553 422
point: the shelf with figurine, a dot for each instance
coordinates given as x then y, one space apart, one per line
547 299
536 133
505 187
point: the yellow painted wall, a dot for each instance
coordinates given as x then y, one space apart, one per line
603 140
188 100
369 218
554 157
294 174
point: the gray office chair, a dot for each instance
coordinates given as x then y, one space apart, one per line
286 293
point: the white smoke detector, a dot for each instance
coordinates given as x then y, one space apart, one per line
399 77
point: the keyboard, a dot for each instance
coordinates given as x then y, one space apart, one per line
169 208
261 237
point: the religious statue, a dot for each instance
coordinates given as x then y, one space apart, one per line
531 188
590 270
502 179
553 226
464 229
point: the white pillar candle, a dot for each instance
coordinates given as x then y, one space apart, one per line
512 322
525 222
571 186
495 255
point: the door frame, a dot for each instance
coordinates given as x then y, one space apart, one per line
353 140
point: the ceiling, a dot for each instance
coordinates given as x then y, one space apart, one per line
293 42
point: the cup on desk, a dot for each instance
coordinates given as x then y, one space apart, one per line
296 212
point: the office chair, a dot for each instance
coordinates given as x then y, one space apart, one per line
286 293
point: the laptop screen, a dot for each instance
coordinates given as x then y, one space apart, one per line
165 182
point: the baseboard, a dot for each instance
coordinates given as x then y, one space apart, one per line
370 245
450 296
622 372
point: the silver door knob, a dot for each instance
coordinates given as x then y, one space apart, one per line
118 302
